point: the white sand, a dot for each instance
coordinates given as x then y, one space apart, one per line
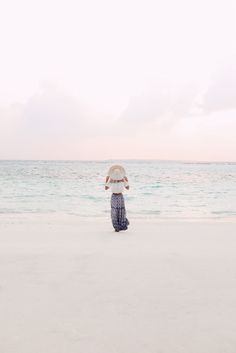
81 288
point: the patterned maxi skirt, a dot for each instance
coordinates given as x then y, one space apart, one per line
118 212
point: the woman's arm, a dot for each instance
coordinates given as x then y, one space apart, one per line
106 185
126 183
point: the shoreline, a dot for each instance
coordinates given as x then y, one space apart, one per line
63 218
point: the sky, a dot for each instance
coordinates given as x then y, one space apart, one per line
127 79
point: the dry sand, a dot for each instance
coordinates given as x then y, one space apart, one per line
79 287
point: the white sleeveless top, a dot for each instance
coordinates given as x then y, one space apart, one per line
117 187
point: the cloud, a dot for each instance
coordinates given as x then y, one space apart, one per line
160 123
165 103
221 93
50 122
52 113
161 103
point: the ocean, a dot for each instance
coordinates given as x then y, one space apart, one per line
158 189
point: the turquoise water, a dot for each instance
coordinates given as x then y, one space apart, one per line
158 189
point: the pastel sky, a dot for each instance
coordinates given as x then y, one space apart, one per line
104 79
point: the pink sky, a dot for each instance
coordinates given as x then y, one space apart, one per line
94 80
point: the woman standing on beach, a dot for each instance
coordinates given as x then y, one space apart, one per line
117 182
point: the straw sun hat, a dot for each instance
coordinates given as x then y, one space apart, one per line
116 172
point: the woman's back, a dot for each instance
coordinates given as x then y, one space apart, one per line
117 186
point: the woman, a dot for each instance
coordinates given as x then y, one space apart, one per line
117 182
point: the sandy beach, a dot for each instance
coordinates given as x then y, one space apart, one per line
77 286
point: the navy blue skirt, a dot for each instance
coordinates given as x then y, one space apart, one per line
118 212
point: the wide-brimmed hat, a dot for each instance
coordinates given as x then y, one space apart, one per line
116 172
